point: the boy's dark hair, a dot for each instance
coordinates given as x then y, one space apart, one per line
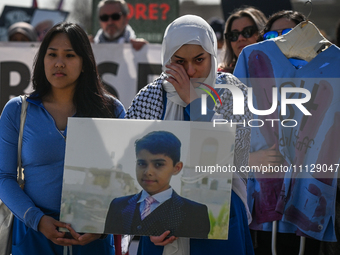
160 142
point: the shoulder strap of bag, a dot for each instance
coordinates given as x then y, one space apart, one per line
21 130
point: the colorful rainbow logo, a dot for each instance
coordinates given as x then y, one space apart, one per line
208 92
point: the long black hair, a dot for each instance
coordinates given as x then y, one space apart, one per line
90 97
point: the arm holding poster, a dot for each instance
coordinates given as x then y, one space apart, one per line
191 61
66 84
157 207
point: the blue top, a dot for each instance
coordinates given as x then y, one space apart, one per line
43 153
239 241
302 199
150 103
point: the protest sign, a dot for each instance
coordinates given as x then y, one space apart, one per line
149 18
107 168
121 68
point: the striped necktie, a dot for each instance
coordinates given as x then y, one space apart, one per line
147 208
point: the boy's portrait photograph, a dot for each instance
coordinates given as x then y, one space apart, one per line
157 207
158 176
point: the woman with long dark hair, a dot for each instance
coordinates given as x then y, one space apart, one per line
66 84
241 29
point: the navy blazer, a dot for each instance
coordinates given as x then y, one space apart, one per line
183 217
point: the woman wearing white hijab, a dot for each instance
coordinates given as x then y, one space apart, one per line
189 59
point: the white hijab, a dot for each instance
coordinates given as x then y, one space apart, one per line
188 29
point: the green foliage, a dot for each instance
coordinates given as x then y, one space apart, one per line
219 225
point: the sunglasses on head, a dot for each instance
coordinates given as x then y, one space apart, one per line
274 34
247 32
113 16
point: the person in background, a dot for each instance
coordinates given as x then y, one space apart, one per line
330 247
241 29
21 32
42 27
278 24
65 84
189 52
281 23
218 27
114 24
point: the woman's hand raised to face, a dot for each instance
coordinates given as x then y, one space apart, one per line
181 82
189 61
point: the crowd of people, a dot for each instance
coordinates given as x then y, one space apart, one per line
113 20
66 84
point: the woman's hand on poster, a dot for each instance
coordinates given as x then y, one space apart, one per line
74 238
267 157
163 239
179 78
49 228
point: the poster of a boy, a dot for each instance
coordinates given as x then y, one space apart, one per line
157 208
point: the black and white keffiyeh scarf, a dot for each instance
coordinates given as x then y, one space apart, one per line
148 105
